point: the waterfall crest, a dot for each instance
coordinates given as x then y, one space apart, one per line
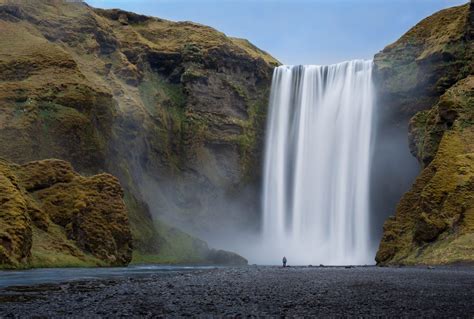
317 157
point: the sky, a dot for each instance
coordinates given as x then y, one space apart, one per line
298 31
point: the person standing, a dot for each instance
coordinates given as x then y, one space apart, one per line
284 261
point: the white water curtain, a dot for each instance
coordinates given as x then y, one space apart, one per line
317 157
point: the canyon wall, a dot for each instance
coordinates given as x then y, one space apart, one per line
426 79
175 110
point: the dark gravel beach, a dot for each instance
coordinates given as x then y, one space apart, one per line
259 291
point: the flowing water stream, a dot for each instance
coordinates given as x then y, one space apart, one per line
317 157
58 275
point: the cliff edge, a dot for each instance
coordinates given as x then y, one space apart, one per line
428 75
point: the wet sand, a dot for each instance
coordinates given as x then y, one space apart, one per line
254 291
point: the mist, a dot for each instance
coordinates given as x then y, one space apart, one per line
393 168
229 216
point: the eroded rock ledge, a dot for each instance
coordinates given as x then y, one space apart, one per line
428 74
52 216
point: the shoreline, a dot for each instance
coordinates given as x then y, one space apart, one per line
255 290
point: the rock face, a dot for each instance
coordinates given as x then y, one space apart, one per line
15 230
51 215
175 110
431 69
222 257
414 71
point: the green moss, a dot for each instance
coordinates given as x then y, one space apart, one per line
425 136
192 51
48 259
52 216
192 74
255 52
452 249
437 210
157 93
146 238
426 61
165 102
15 225
52 249
252 140
177 247
191 39
453 111
239 89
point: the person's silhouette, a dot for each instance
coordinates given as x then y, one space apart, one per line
284 261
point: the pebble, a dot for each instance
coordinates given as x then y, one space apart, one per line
257 291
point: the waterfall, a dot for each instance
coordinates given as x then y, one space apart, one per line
317 157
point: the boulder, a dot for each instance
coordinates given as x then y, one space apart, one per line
47 206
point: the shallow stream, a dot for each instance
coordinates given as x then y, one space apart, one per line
55 275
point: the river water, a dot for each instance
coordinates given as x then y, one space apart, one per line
55 275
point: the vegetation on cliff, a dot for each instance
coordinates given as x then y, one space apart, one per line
432 56
430 69
52 216
176 104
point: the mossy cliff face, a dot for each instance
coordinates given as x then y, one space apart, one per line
453 111
175 110
15 230
48 107
433 223
415 70
52 216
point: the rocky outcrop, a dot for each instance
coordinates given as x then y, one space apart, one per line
175 110
453 111
222 257
428 74
434 220
15 222
432 56
52 216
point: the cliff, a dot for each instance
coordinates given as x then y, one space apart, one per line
175 110
413 72
428 74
